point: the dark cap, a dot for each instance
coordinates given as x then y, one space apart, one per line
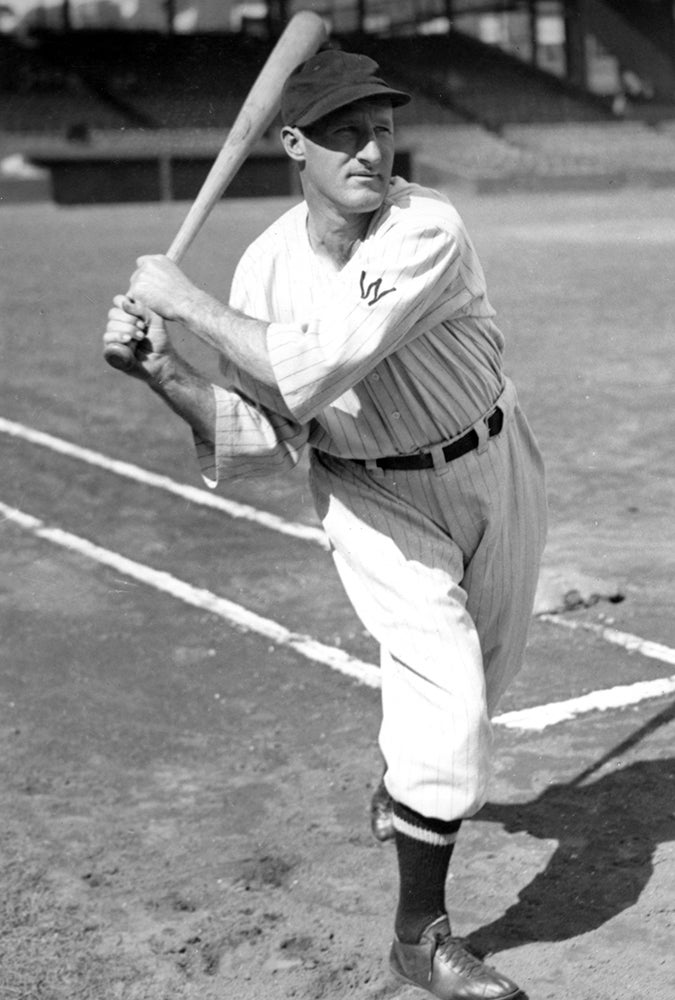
328 81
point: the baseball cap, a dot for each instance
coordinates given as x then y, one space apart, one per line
329 80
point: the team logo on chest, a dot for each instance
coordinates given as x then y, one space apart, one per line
371 291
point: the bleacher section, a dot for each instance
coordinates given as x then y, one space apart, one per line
483 84
195 81
553 157
465 155
199 80
627 150
37 94
480 118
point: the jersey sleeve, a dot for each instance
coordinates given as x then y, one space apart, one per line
250 441
397 287
246 294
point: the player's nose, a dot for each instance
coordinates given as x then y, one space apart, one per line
369 150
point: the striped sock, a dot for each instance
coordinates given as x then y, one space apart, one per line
424 848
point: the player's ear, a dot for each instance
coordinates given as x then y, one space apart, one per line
293 142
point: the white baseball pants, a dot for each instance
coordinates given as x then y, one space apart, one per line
441 566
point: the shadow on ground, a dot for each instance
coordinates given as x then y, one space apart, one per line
607 833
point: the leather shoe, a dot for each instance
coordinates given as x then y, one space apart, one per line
442 965
381 814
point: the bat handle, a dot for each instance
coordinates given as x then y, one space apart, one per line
119 356
123 356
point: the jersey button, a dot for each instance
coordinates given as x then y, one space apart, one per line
396 415
375 377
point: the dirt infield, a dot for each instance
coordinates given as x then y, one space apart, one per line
184 805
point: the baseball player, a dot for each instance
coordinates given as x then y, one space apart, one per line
359 328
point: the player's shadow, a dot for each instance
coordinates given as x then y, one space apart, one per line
607 832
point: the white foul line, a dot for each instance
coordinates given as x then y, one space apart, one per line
233 613
536 718
621 696
126 469
599 701
631 643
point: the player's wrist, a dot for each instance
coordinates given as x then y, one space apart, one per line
187 305
201 313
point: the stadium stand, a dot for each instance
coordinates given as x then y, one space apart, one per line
632 150
195 81
38 94
480 118
465 155
199 80
482 83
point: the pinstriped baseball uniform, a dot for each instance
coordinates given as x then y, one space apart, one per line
399 353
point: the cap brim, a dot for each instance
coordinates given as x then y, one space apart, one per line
347 95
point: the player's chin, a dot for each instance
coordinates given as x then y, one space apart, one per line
366 193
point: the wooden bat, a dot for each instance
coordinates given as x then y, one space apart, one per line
302 37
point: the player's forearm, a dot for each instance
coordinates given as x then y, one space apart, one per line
242 339
161 287
188 394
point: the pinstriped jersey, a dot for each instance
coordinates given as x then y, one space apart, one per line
396 351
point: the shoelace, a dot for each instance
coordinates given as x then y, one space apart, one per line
453 951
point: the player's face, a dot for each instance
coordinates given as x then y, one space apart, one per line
349 155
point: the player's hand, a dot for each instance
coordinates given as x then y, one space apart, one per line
162 287
133 324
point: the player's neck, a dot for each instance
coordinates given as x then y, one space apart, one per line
335 238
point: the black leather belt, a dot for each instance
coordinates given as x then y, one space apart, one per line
424 459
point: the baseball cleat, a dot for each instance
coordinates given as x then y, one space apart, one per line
381 814
442 965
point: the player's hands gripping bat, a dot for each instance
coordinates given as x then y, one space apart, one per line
303 36
143 333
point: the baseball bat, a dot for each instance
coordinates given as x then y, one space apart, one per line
302 37
661 719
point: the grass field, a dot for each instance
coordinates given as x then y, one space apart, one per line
185 804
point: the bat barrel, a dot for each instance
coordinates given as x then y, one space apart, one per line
304 34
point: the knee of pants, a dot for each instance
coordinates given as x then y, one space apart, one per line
437 744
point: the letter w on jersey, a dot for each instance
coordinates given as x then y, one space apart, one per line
372 291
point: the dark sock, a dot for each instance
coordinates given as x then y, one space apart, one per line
424 847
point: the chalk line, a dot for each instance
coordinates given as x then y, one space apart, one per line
533 719
129 471
631 643
621 696
234 614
